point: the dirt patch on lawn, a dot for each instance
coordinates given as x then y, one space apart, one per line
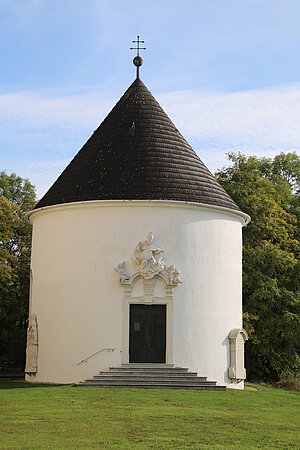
250 388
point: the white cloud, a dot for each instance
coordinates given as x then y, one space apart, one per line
36 109
262 122
265 119
43 130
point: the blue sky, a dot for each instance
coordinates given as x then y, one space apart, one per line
225 71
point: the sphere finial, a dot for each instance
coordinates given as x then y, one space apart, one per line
138 60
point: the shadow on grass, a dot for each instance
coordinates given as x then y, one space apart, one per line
20 384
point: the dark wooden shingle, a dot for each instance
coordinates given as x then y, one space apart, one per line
137 154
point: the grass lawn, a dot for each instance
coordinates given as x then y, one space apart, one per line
51 417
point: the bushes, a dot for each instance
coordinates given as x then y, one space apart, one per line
291 383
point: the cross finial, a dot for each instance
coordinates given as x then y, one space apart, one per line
138 60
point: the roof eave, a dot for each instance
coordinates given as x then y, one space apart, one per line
245 218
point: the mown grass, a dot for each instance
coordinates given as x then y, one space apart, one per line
60 417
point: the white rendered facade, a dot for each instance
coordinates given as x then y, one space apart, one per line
82 311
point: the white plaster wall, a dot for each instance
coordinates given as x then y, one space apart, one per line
78 300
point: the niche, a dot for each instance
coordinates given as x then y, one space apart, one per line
237 339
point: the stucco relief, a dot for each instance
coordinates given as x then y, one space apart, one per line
147 259
121 268
148 262
32 345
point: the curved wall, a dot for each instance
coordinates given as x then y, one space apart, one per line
78 301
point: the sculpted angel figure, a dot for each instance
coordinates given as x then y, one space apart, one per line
121 268
174 274
147 259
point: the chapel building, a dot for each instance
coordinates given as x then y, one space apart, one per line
136 258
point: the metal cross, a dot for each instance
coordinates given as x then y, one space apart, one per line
138 48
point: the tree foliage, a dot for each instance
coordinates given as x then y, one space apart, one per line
17 196
268 190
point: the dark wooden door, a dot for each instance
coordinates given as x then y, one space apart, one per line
147 341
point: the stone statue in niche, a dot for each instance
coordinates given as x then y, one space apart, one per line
32 345
147 259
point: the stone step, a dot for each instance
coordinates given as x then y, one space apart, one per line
149 379
147 365
148 374
153 376
157 386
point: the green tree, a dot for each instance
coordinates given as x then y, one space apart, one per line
268 190
17 196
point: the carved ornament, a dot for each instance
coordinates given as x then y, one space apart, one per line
149 262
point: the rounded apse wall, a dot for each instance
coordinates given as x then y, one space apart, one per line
79 303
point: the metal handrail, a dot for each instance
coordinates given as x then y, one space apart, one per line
96 353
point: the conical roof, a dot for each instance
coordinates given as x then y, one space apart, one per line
137 154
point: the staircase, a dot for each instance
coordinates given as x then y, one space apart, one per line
151 376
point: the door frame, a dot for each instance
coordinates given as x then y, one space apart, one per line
128 299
